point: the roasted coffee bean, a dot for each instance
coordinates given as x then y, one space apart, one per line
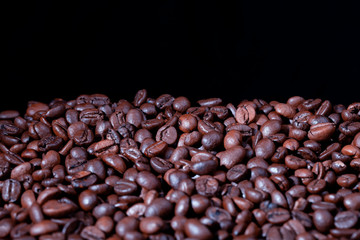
114 161
195 229
237 173
50 143
245 114
92 232
125 187
270 127
147 180
87 200
323 220
59 208
321 131
231 156
80 133
160 165
159 207
265 148
151 225
167 134
11 190
43 227
345 219
277 215
352 201
206 185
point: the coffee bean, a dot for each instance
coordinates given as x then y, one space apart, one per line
245 114
80 133
285 110
43 227
231 156
92 232
352 201
159 207
125 187
147 180
265 148
87 200
160 165
151 225
206 185
270 127
204 167
11 190
323 220
321 131
59 208
345 219
194 229
277 215
316 186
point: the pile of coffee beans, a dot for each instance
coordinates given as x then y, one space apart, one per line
167 168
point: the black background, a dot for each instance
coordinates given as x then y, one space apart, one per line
228 49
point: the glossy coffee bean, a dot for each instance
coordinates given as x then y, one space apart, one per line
323 220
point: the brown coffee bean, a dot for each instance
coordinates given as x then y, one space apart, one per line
323 220
316 186
87 200
147 180
80 133
114 161
270 127
352 201
321 131
294 162
43 227
285 110
245 114
194 229
277 215
11 190
92 232
59 208
206 185
159 207
265 148
151 225
345 219
199 203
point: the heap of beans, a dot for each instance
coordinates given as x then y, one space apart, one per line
162 168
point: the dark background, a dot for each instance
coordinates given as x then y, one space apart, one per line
228 49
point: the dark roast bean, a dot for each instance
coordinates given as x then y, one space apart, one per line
245 114
125 187
159 207
11 190
236 173
92 232
345 219
59 208
151 225
352 201
321 131
160 165
323 220
206 185
147 180
278 215
43 227
194 229
80 133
